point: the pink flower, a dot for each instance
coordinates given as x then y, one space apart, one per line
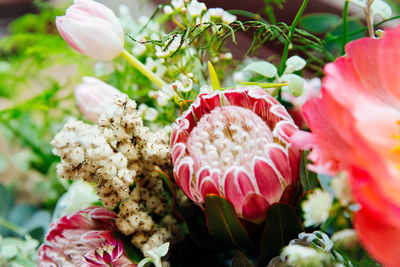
92 29
84 238
355 127
94 96
235 144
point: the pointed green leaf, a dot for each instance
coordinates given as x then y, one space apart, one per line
240 260
309 180
213 77
319 23
223 223
264 85
282 225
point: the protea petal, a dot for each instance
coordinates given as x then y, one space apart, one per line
267 180
254 206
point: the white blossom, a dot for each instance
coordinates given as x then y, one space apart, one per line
316 208
177 4
228 18
195 8
168 10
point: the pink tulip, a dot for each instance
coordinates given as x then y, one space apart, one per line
235 144
84 238
92 29
355 127
94 96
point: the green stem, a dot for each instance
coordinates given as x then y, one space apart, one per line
142 68
345 23
289 39
12 227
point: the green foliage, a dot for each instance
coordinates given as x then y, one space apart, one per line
19 220
309 180
283 224
269 8
224 224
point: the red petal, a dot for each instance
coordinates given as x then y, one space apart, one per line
184 175
254 207
237 184
208 187
281 161
267 180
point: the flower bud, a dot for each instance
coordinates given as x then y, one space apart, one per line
93 96
92 29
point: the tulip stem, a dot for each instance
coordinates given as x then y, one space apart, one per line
142 68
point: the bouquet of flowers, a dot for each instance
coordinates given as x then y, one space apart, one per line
190 157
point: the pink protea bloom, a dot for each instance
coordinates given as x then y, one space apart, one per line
84 238
235 144
355 127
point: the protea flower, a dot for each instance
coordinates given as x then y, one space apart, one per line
84 238
235 144
355 127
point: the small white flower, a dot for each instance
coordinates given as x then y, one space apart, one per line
346 239
168 90
316 208
168 10
300 256
154 255
187 84
177 4
294 63
295 86
214 12
380 7
195 8
151 114
139 49
173 46
228 18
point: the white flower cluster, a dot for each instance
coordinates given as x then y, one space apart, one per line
119 155
198 10
316 208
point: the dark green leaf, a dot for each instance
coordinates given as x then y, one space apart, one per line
309 180
282 225
133 254
240 260
198 231
319 23
223 223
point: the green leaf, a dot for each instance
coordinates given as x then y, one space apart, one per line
319 23
197 228
309 180
240 260
133 254
223 223
263 68
282 225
